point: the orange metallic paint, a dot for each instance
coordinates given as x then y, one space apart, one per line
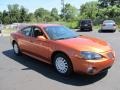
42 49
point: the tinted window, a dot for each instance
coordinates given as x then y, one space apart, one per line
86 22
26 31
60 32
108 21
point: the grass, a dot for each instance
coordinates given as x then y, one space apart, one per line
96 27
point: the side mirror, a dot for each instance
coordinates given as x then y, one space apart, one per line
42 38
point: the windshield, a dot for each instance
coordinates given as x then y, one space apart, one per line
60 32
108 21
86 22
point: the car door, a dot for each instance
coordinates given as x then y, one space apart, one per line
40 47
24 40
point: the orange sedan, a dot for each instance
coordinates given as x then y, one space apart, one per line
63 48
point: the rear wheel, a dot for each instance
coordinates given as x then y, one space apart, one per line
16 49
63 64
91 29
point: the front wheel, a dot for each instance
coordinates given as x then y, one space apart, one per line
63 64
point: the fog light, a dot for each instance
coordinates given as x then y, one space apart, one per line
91 70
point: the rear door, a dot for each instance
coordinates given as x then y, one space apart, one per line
24 40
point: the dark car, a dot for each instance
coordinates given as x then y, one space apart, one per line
86 25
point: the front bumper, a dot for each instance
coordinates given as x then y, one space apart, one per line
86 27
92 67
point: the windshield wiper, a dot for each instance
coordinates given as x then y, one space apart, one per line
75 37
67 38
61 38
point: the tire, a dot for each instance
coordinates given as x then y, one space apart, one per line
91 29
114 31
103 72
16 49
62 64
82 29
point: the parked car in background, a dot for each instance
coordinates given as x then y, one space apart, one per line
86 25
108 25
17 26
64 49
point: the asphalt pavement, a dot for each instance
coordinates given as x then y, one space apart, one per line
26 73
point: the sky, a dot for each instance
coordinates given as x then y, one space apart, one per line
32 5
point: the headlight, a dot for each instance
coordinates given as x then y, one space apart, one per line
90 55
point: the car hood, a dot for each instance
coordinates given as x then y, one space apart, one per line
86 43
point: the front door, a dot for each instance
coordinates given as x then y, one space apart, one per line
40 47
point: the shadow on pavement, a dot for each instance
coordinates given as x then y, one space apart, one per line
49 72
83 31
106 31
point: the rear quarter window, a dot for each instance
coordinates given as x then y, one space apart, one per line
26 31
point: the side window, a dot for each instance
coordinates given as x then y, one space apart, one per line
26 31
37 32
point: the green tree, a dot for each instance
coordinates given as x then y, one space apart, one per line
89 10
69 12
1 17
112 11
5 17
31 17
23 15
42 15
54 14
14 13
106 3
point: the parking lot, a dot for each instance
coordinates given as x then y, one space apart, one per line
25 73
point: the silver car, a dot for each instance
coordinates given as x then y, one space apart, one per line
109 25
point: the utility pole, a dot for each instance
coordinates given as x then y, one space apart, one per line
63 7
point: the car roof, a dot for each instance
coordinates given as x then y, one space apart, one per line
86 20
46 25
41 25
